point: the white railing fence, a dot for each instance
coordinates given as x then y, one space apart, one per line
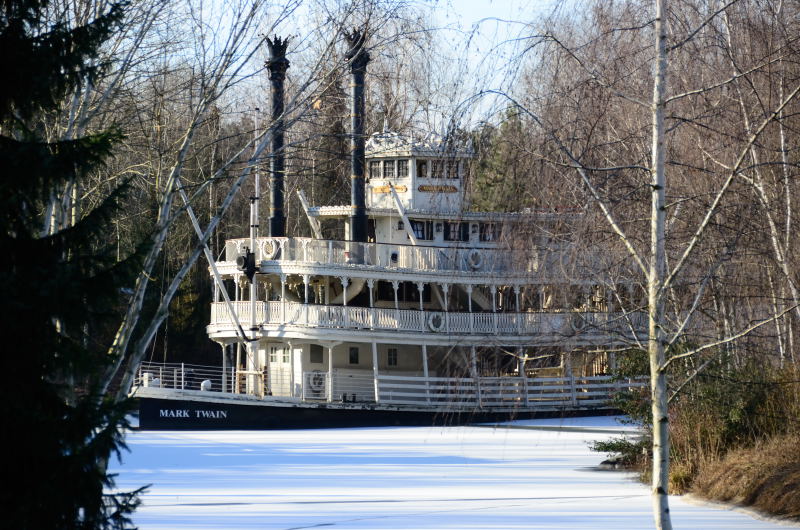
359 386
381 318
419 257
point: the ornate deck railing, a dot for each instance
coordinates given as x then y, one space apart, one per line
443 393
481 257
379 318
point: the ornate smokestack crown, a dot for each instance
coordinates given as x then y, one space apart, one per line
277 61
356 53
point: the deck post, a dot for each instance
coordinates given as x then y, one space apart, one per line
306 279
420 289
425 372
573 395
445 289
370 286
523 375
224 368
283 299
330 374
238 365
473 365
517 308
469 306
183 378
375 370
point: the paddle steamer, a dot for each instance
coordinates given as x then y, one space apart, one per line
424 311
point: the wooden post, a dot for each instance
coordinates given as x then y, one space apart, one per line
375 370
224 368
474 369
425 372
521 364
330 374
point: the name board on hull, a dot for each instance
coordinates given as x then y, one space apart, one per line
437 188
387 189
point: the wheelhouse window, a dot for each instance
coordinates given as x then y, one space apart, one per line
391 357
456 231
422 169
353 355
388 169
437 169
402 169
452 169
375 169
422 229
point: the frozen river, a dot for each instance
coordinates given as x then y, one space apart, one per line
396 478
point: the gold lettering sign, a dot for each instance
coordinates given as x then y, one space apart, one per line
438 189
387 189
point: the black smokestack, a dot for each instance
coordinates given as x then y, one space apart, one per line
277 65
358 58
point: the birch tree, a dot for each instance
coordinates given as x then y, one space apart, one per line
630 149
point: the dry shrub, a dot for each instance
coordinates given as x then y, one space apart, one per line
765 476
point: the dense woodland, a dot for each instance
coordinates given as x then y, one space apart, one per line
670 126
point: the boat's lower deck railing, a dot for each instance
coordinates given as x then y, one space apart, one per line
360 386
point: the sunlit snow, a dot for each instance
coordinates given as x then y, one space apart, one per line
396 478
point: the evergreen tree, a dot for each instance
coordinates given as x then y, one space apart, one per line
61 280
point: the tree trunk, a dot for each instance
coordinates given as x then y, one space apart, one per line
655 285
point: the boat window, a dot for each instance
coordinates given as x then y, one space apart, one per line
490 231
456 231
422 229
353 355
452 169
402 168
437 168
375 169
391 357
388 169
422 169
315 354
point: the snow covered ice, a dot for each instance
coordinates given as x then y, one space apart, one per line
396 478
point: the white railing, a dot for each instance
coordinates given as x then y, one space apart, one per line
184 376
358 386
380 318
470 259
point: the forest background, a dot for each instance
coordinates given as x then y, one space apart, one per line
579 109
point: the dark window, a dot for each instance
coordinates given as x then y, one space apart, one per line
391 357
375 169
422 229
452 169
437 169
388 169
422 169
402 168
353 355
315 352
490 231
456 232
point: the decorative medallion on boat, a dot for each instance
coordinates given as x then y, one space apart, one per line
435 322
268 249
474 259
578 323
